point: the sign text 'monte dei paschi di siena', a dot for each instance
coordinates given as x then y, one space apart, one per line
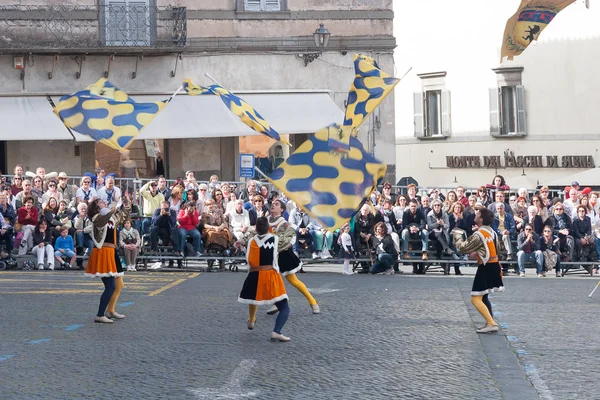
512 161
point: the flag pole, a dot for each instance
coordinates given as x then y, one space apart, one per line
61 120
206 74
261 173
406 73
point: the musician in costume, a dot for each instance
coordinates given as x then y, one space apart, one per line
288 261
488 278
104 259
264 285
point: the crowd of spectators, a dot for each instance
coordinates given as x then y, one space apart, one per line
38 213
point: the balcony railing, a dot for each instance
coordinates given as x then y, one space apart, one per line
70 27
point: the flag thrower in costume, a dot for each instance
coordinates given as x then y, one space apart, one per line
525 26
329 185
107 114
238 106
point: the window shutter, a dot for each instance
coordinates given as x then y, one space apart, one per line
446 125
116 22
139 23
521 112
419 119
494 111
252 5
272 5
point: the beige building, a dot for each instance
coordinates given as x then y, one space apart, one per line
462 117
263 50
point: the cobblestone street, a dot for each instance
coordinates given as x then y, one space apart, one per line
401 336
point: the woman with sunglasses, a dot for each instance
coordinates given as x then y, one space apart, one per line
17 185
550 249
51 193
483 196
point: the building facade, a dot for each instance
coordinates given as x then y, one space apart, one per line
463 117
263 50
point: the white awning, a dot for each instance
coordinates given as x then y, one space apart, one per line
207 116
589 177
30 118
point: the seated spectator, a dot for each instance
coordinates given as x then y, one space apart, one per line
534 219
83 231
188 221
215 226
412 193
203 195
190 181
130 241
504 226
192 195
470 209
7 210
582 233
41 172
399 208
134 213
249 192
49 214
451 198
37 188
519 212
226 192
460 193
176 198
500 198
571 203
425 205
213 183
264 191
217 196
258 209
457 218
414 223
561 227
528 244
28 219
26 193
164 225
438 224
6 233
65 215
51 192
550 250
483 196
541 210
385 250
303 224
240 222
64 247
322 238
231 203
68 192
512 201
522 192
545 196
110 193
389 219
86 194
42 244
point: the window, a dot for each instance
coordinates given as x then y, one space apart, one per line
507 111
507 104
432 107
432 113
262 5
127 22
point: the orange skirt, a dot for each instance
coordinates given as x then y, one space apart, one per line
262 287
104 262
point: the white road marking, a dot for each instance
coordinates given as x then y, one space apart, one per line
233 388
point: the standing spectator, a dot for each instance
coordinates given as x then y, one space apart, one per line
17 185
347 249
414 223
130 242
550 249
504 226
561 227
163 188
528 244
65 248
188 221
86 194
498 184
68 192
152 201
386 192
164 225
190 180
42 244
28 218
460 193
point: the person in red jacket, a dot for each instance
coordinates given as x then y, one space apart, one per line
188 220
28 218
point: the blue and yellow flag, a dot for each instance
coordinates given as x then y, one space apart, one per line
525 26
328 185
238 106
107 114
371 85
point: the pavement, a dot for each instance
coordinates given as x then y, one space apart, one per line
403 336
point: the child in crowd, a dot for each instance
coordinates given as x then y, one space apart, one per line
65 247
347 249
130 241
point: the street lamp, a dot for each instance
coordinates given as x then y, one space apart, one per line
321 36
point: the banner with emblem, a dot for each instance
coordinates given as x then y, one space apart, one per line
329 185
526 25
